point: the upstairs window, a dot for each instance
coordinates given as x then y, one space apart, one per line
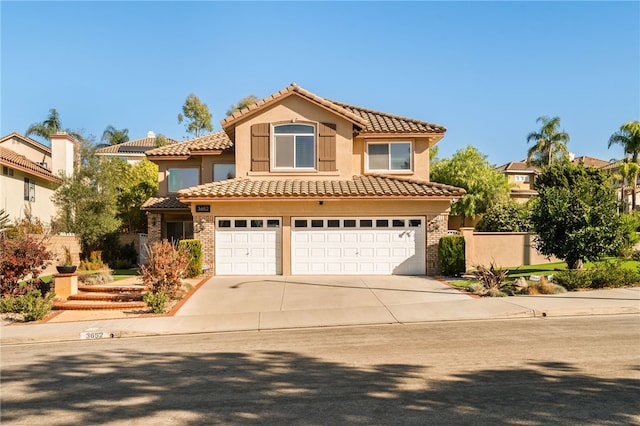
183 178
294 146
521 178
391 156
223 172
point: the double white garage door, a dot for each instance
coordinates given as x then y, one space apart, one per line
331 246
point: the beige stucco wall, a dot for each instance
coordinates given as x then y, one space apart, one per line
13 202
504 249
433 211
289 109
33 153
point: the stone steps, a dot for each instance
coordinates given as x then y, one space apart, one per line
104 297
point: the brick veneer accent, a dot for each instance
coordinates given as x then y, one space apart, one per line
436 228
155 231
204 230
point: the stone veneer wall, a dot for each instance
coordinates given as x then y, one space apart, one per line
436 229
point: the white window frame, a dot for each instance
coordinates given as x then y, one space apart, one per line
522 178
389 169
169 189
273 146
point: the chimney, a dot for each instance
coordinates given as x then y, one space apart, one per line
62 153
151 134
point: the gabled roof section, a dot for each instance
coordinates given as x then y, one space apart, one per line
212 142
518 166
138 146
28 141
381 122
592 162
17 161
373 186
292 89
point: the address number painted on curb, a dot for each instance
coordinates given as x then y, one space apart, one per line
92 335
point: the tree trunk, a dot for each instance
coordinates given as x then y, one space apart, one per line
574 264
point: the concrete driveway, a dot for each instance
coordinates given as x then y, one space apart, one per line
277 294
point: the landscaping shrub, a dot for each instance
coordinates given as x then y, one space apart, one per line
544 286
165 269
506 217
94 262
604 274
156 301
33 306
21 257
451 255
492 280
194 247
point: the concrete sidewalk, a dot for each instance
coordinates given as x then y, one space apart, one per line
230 304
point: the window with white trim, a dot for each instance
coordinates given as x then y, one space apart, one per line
294 146
183 178
389 156
521 178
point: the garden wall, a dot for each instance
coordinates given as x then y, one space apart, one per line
55 244
504 249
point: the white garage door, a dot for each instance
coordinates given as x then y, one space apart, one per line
379 245
248 246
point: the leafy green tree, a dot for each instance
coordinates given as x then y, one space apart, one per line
136 185
576 214
469 169
625 174
506 217
50 126
629 137
549 143
242 103
196 115
114 136
87 202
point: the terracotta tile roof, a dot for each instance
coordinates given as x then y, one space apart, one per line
381 122
288 91
519 166
132 147
163 203
14 160
218 141
359 186
366 119
592 162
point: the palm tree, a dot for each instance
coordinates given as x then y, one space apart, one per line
50 126
549 142
629 137
113 136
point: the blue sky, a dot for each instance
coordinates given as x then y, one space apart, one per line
485 70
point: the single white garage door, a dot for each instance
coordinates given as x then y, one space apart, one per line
379 246
248 246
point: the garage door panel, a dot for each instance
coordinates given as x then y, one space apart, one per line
388 245
248 251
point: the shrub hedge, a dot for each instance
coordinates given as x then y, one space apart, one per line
451 255
194 247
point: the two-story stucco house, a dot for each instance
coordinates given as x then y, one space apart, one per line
30 174
297 184
522 178
132 151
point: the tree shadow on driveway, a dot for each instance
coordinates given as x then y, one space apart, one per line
137 387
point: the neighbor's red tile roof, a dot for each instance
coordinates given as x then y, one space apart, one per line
359 186
592 162
17 161
132 147
218 141
28 141
366 119
163 203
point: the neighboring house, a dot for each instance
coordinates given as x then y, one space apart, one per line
132 151
521 177
30 174
297 184
591 162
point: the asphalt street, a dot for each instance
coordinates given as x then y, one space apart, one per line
533 371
